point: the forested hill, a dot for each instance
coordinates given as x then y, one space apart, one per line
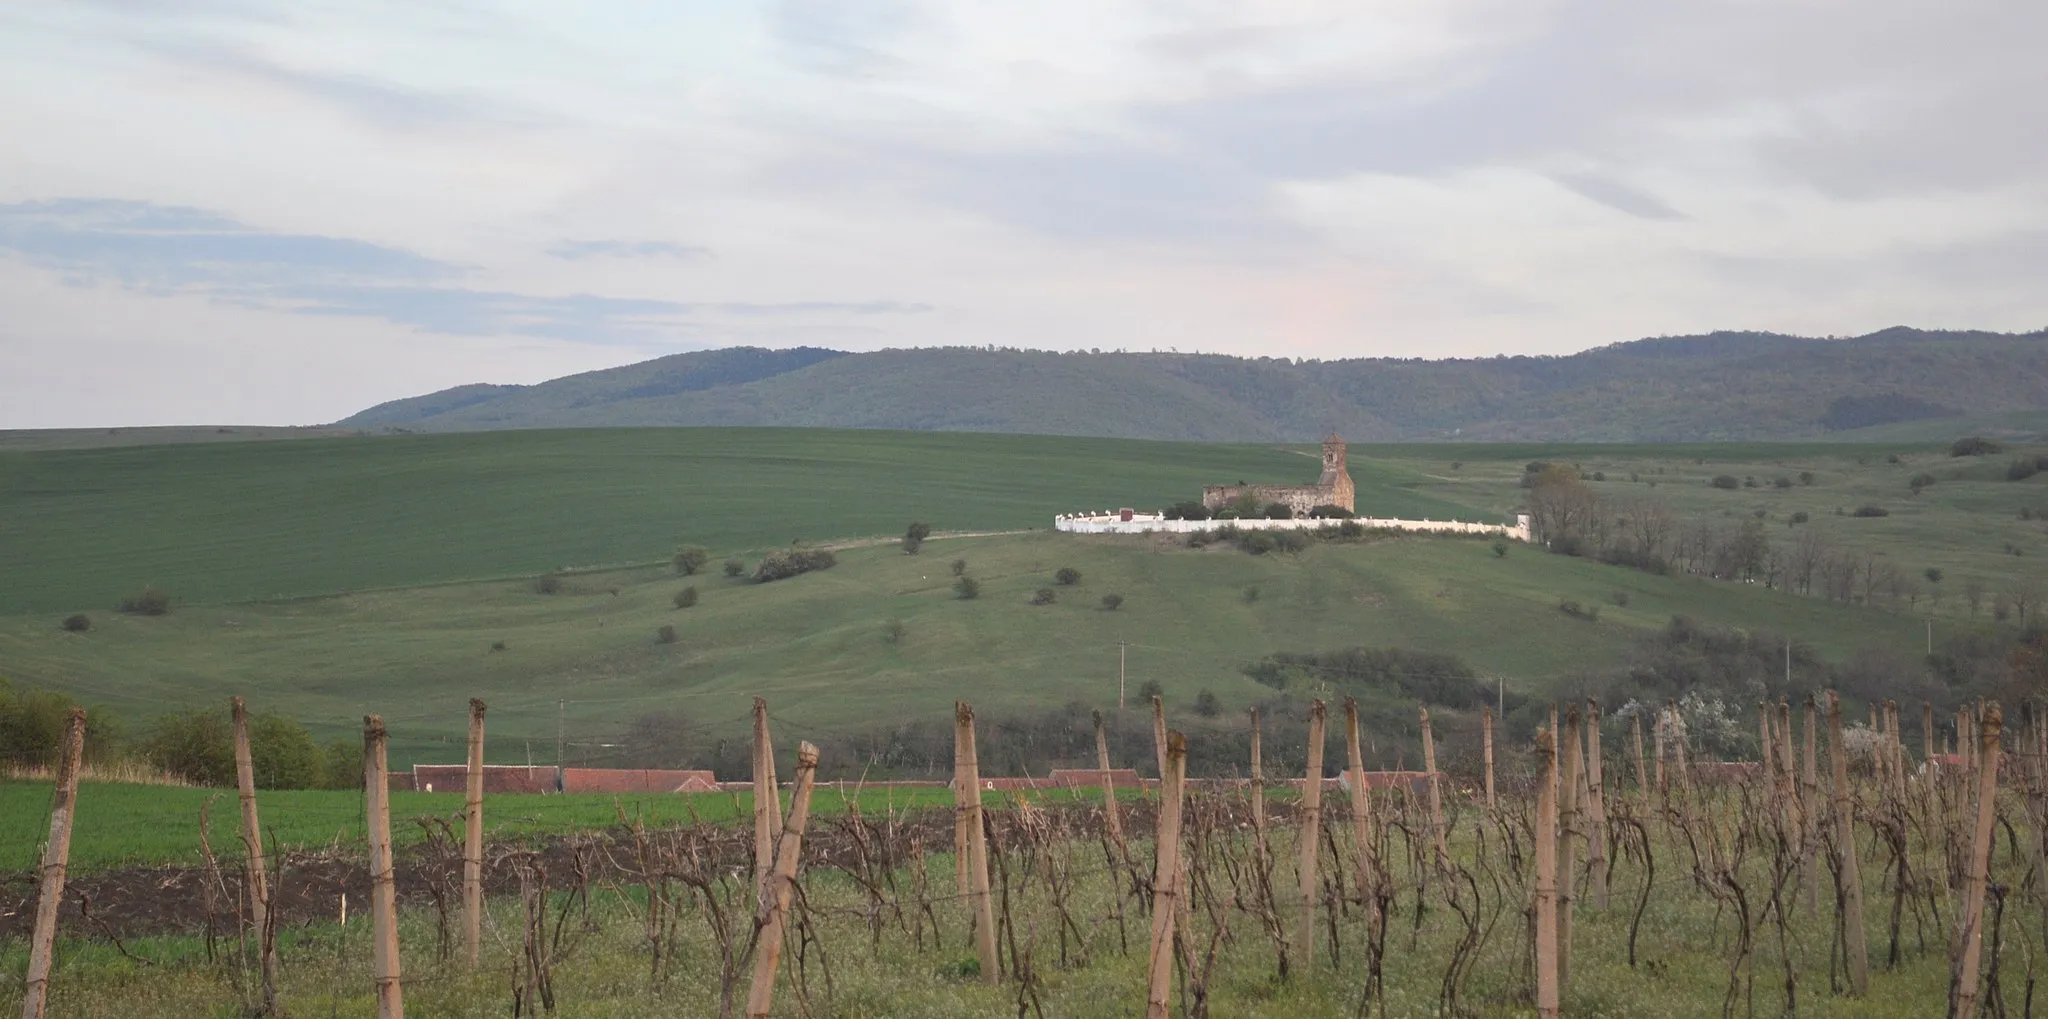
1720 386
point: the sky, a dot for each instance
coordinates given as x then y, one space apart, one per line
229 211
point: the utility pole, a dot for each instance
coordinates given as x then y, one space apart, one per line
1121 644
1930 635
1788 663
561 707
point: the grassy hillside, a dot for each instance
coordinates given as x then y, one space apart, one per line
1721 386
817 646
80 529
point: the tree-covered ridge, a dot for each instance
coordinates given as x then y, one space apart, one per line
1717 387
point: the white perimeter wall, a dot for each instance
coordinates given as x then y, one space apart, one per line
1145 523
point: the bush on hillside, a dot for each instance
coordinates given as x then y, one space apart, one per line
959 567
1427 676
32 726
1043 596
2025 467
785 563
151 602
665 635
1149 689
913 538
1871 511
342 762
1328 511
1112 602
1191 509
1726 481
690 558
77 622
1067 576
967 588
198 746
686 598
1589 613
1920 482
1279 511
547 583
1500 548
735 567
1206 704
1975 445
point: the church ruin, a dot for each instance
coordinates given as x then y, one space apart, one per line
1332 489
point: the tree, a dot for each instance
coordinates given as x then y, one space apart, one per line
1149 689
893 631
735 567
78 622
1043 596
665 635
1973 594
913 538
1245 506
1920 482
1206 704
1748 549
1975 445
967 588
151 602
1067 576
690 558
686 598
1279 511
1560 506
1112 602
784 563
959 567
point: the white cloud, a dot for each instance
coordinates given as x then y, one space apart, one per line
477 192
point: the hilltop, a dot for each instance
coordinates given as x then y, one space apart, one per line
1723 386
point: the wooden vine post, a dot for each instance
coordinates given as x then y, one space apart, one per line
1851 910
1110 814
35 990
1361 806
1159 735
1657 733
1436 795
781 881
1546 875
256 878
1167 880
473 840
1642 772
768 800
1259 795
383 885
1596 785
967 817
1927 734
1311 835
1810 779
1970 925
1567 844
1486 749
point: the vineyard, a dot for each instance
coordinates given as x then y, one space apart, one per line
1600 868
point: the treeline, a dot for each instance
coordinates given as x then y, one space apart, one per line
192 746
1646 533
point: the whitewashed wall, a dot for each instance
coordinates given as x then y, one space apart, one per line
1109 522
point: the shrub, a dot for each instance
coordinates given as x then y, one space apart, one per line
1328 511
1043 596
1290 542
198 746
151 602
1191 509
342 762
913 538
1806 477
1279 511
1619 598
686 597
782 564
1782 481
1258 542
1500 547
1350 529
1933 574
690 558
1599 475
1871 511
959 567
1112 602
1206 704
1251 594
1797 518
665 635
77 622
967 588
1749 481
1589 613
1438 679
1727 481
497 645
547 583
1975 445
734 567
2024 468
1920 481
1067 576
1149 689
33 724
893 631
1199 539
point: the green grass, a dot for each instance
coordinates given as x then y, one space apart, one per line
815 645
225 522
129 825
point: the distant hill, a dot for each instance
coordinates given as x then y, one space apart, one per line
1717 387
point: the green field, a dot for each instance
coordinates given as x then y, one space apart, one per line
330 578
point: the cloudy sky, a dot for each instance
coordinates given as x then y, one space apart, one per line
239 211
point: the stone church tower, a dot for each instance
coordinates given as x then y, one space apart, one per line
1336 479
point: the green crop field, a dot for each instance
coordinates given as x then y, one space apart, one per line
328 578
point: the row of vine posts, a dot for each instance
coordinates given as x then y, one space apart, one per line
1779 808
